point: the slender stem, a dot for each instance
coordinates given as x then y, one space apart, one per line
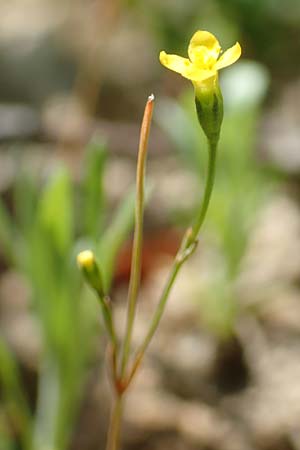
187 247
108 319
208 189
113 438
156 318
135 273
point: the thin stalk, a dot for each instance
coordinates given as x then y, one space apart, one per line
114 430
108 319
212 150
156 319
135 273
187 247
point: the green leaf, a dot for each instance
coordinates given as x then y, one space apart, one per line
56 212
93 191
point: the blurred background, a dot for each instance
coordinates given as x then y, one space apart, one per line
223 371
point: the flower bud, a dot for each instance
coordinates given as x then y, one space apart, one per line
87 264
209 106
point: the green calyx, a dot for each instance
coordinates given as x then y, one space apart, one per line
93 278
87 264
209 106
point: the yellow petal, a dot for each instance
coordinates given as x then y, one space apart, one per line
203 39
199 75
229 57
185 67
174 62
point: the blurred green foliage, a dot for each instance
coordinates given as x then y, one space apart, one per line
41 239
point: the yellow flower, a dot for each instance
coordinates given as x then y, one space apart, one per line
204 59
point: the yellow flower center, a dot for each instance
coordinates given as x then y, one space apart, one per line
204 58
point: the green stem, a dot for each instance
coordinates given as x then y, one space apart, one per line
108 320
212 150
156 318
135 273
114 431
187 247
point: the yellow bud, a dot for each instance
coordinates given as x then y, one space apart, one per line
86 259
87 264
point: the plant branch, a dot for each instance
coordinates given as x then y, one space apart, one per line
108 319
135 273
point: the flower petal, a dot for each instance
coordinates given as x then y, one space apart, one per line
199 75
185 67
174 62
203 39
229 57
